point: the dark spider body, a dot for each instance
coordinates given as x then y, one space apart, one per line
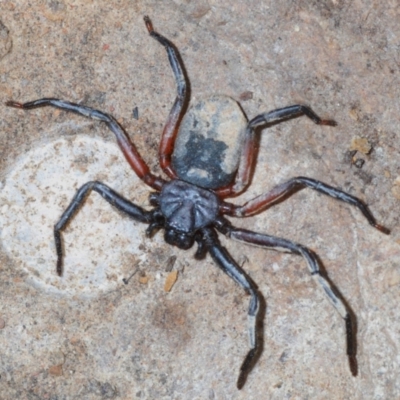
209 155
186 209
208 143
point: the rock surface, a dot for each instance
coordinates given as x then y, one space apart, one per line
102 339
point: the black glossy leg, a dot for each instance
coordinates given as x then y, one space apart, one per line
112 197
223 259
171 127
276 243
287 113
249 148
128 148
263 201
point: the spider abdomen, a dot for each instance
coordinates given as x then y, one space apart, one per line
208 144
186 207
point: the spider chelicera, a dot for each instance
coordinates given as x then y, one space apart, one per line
209 154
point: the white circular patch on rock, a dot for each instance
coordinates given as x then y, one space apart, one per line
101 245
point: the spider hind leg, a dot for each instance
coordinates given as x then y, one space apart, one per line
263 201
129 150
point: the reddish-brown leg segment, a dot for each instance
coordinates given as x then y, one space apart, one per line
265 200
171 127
128 148
249 149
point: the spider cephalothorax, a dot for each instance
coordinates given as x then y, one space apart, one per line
209 154
186 209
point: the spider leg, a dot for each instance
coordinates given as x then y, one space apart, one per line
249 149
277 243
171 127
128 148
287 113
223 259
265 200
112 197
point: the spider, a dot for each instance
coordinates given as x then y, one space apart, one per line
209 153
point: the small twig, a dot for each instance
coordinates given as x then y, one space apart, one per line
126 281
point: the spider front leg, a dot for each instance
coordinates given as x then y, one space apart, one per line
223 259
265 200
112 197
276 243
249 148
128 148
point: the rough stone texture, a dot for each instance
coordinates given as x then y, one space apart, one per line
136 340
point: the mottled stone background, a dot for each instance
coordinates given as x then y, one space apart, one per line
96 338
